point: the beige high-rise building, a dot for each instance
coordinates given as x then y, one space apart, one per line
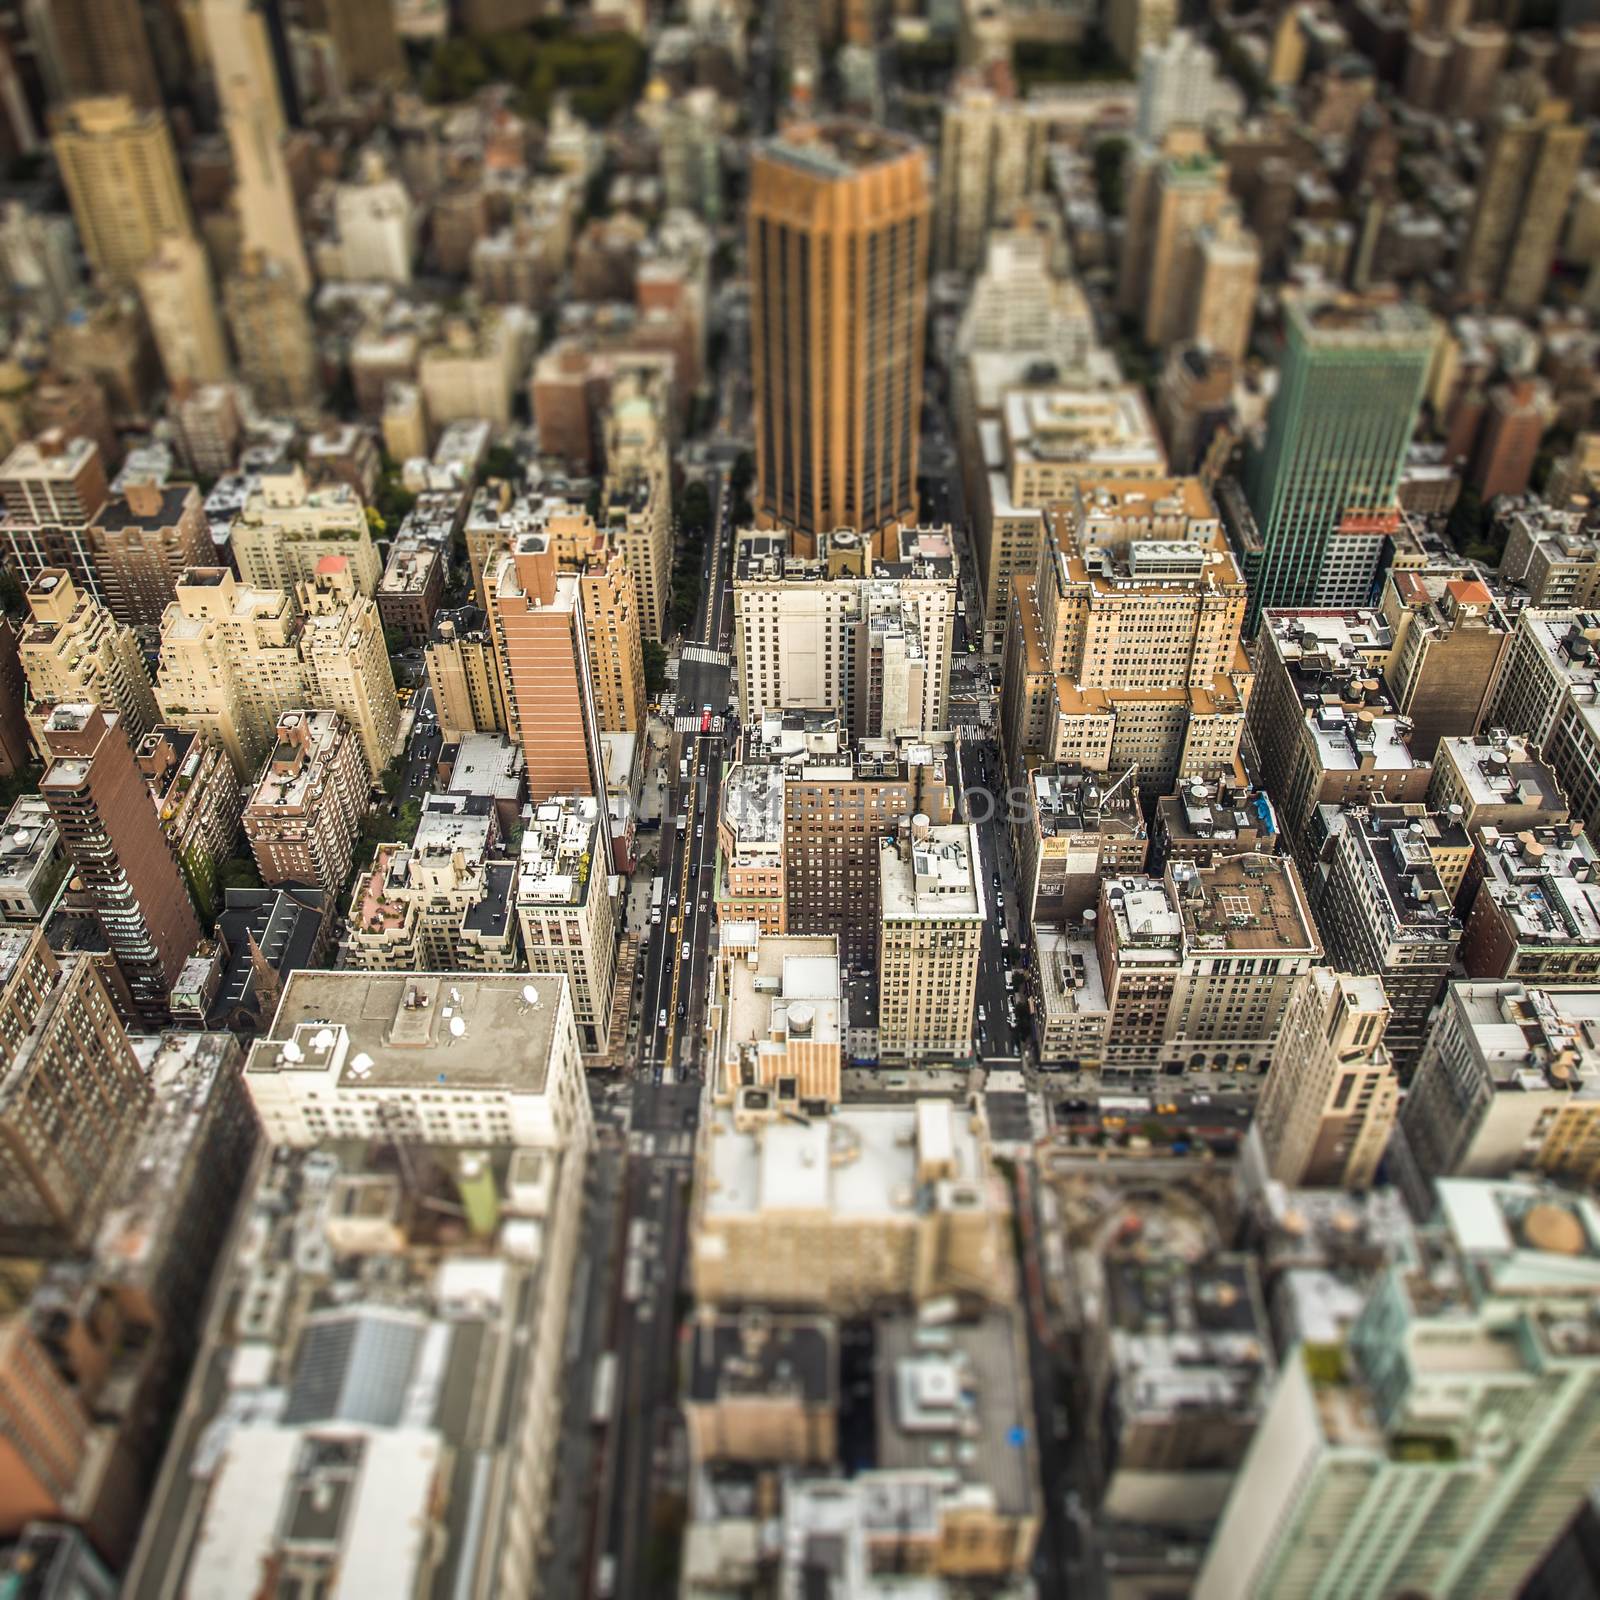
440 902
463 674
405 423
304 814
1509 1081
51 488
838 628
566 909
1529 167
638 488
839 218
122 179
181 307
991 158
473 369
1023 308
1199 965
1332 1093
272 334
1223 293
932 903
230 663
374 238
616 654
1042 444
1175 193
1123 648
347 662
73 651
608 596
252 116
234 658
286 530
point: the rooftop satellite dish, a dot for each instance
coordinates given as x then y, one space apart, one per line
361 1065
457 1027
292 1051
530 995
323 1041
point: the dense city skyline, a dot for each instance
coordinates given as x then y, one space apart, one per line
799 801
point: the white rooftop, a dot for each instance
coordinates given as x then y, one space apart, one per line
859 1162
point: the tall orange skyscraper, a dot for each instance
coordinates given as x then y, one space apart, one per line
546 680
839 228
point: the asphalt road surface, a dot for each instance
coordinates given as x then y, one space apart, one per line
676 958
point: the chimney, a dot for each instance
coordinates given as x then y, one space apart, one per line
144 499
536 567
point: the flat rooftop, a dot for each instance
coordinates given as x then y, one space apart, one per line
791 990
935 875
1532 1038
409 568
488 763
1205 813
562 849
1502 772
1345 741
955 1399
362 1407
1395 849
752 803
859 1162
765 1357
1543 882
297 770
62 460
1069 975
117 514
838 148
1070 800
1328 639
1245 902
395 1030
1083 426
1356 320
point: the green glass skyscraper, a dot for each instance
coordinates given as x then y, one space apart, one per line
1349 390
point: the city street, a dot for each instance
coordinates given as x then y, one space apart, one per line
677 960
981 780
638 1532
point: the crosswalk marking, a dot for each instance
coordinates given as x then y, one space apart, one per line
684 722
704 652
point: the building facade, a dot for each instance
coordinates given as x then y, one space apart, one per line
304 814
839 224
